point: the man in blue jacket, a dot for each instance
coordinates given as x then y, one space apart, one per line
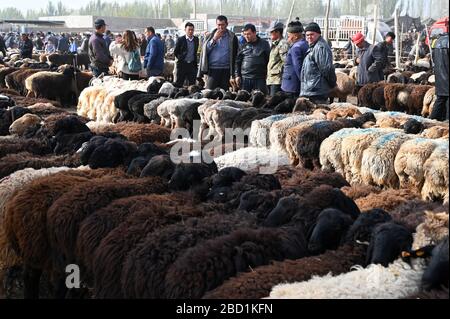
290 82
154 54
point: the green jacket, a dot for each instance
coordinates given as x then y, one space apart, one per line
277 57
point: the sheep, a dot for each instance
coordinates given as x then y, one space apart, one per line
428 102
45 110
183 112
58 59
168 70
442 293
387 199
416 99
378 100
28 101
136 106
112 252
121 103
377 164
27 122
3 73
150 110
410 159
291 141
225 256
252 157
16 80
6 102
436 273
307 144
166 89
143 133
436 132
391 95
344 87
259 282
12 145
398 279
343 111
365 94
436 174
98 225
278 131
53 85
14 162
303 211
147 263
387 242
7 117
186 175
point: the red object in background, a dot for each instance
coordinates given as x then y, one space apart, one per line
439 27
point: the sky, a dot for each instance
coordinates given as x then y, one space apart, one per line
23 5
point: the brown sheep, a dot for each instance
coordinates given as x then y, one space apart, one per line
391 94
344 87
3 73
12 145
416 99
428 102
365 94
387 200
16 80
357 191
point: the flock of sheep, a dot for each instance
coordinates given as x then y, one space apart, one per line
357 207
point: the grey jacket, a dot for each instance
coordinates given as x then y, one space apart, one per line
372 61
203 65
318 76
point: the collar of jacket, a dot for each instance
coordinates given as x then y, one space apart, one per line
98 34
275 43
314 44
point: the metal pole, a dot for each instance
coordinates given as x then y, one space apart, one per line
169 9
397 41
327 18
220 7
429 45
360 7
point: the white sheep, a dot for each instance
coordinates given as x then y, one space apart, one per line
436 174
260 129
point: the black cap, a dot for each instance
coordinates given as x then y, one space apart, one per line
99 23
313 27
390 34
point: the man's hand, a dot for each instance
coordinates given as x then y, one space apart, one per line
238 81
218 35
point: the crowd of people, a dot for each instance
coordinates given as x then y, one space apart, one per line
300 64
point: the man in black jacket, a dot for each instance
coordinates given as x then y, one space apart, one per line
99 55
25 47
441 70
186 54
252 60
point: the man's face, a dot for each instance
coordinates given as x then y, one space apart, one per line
148 33
312 37
190 31
249 36
291 37
360 45
389 40
221 25
102 29
24 37
275 35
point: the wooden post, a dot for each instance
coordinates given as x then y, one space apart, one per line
195 9
417 48
429 45
375 22
220 7
401 42
169 9
327 21
397 41
289 17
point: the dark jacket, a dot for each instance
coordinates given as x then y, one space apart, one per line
98 52
181 49
26 49
441 65
293 67
203 63
2 46
63 44
143 46
252 60
318 76
154 54
372 61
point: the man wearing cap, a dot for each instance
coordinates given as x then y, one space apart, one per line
99 55
25 47
318 76
292 69
252 60
371 61
218 56
278 52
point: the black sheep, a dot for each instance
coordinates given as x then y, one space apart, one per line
413 126
387 242
206 266
287 106
273 101
154 87
136 106
436 274
361 230
69 135
6 101
160 165
121 103
331 226
243 96
145 152
258 98
229 95
227 176
7 117
187 175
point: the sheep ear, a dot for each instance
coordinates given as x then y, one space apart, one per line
310 231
